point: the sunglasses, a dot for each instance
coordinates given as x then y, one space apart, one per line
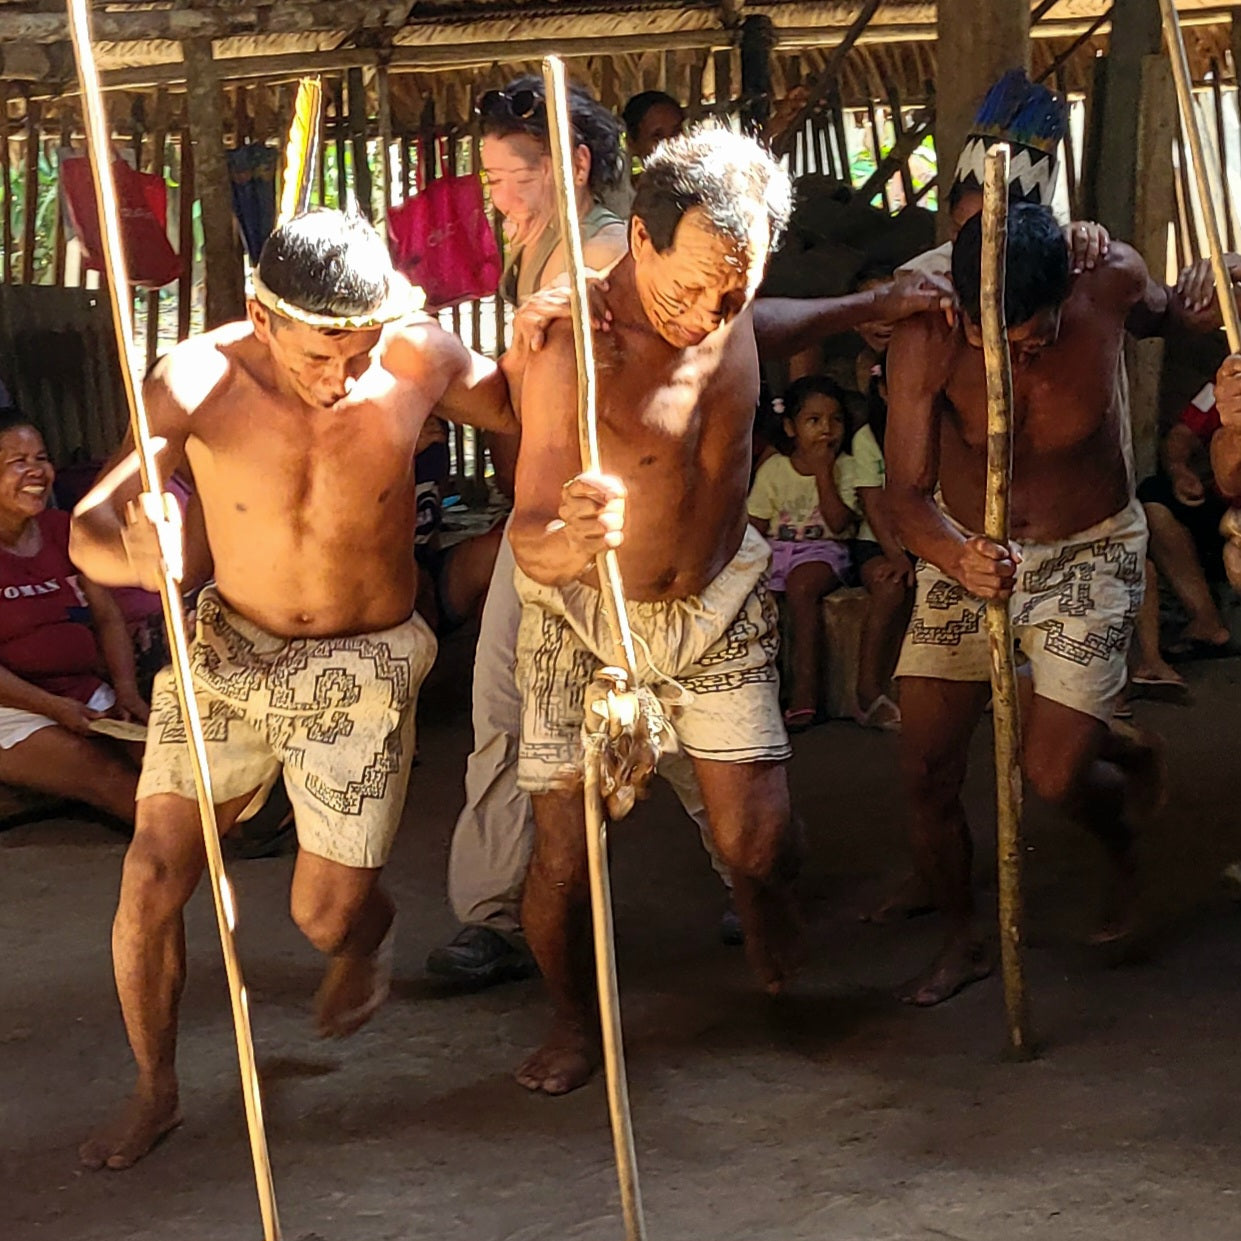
518 105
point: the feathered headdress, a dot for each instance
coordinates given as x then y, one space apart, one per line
302 151
1032 120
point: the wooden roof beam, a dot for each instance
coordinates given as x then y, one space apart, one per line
113 26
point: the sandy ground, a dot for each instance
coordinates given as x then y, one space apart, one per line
835 1112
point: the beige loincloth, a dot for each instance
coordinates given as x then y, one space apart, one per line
719 648
336 713
1073 610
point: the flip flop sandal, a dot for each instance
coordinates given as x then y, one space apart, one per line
800 721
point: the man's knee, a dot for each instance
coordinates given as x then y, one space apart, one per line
323 917
757 841
932 779
1052 776
165 858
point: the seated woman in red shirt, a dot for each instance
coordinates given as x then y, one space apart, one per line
57 630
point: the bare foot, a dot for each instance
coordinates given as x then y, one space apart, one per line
1120 905
773 931
910 900
565 1062
353 990
1139 753
143 1122
956 967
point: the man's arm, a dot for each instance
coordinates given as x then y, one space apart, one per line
1157 310
118 650
784 326
918 361
111 543
562 518
476 393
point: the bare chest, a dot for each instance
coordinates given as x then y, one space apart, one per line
689 417
296 469
1061 401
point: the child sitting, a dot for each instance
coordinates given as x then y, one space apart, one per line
796 502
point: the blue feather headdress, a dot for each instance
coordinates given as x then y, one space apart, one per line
1032 120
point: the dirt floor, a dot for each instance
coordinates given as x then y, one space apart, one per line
833 1113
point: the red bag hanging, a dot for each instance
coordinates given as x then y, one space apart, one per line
142 198
441 240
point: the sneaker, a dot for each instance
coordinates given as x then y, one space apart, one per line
479 958
731 932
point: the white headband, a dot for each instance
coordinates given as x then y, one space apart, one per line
402 300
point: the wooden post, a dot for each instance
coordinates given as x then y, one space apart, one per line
185 238
1156 205
978 41
758 38
357 137
224 277
898 132
31 216
1221 143
877 139
1190 245
385 145
1116 181
1006 709
62 232
338 134
159 139
6 185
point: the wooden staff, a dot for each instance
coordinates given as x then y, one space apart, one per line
1206 198
557 102
1007 713
162 509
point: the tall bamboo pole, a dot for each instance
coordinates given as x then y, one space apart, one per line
1007 716
1206 198
162 510
557 97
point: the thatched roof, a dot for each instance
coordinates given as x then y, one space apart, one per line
444 49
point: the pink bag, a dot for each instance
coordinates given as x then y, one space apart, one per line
441 239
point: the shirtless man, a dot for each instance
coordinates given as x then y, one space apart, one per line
299 425
1074 571
678 380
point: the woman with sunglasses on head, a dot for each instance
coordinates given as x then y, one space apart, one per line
516 158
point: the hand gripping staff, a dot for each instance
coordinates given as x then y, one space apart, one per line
161 509
622 722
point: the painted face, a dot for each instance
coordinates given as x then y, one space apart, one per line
519 175
819 420
663 120
704 279
26 473
877 333
321 368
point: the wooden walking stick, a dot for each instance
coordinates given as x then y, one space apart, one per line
1006 712
1206 196
162 510
559 129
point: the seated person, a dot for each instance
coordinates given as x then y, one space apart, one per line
1183 508
883 566
796 503
50 688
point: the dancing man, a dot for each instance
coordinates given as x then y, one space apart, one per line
299 425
